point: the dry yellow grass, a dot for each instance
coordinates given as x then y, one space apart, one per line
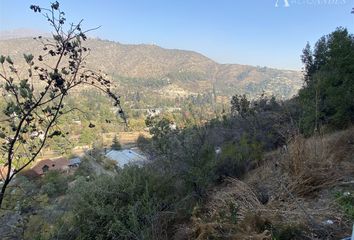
226 206
125 138
299 182
319 162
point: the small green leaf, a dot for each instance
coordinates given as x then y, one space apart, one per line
9 60
2 59
2 135
28 58
23 83
23 93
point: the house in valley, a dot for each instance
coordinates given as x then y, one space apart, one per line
126 157
74 162
59 164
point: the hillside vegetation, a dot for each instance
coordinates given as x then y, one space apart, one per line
185 85
249 168
150 64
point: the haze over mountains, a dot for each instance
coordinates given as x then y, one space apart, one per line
21 33
169 71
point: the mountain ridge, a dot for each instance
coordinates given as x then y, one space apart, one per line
185 69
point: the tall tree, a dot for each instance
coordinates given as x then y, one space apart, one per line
34 103
329 82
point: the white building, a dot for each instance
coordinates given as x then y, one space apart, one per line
125 157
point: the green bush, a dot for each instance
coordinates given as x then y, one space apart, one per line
54 184
238 158
346 201
22 196
85 169
287 232
132 205
109 164
143 143
200 172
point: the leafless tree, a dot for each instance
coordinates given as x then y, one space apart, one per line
33 104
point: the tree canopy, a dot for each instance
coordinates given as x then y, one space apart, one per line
327 96
116 144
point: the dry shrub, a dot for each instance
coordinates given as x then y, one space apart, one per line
308 167
226 207
252 226
300 183
236 193
319 162
184 232
160 225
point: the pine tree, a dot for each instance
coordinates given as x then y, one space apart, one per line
116 144
327 95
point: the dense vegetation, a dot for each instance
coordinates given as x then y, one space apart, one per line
145 203
327 97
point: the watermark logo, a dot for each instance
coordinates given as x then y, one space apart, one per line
288 3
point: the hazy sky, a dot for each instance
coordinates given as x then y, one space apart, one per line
229 31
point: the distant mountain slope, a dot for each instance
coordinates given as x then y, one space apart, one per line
173 69
21 33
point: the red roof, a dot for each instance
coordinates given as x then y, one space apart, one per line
29 173
59 164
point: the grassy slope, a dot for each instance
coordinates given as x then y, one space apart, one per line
300 188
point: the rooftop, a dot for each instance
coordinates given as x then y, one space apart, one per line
53 164
126 156
74 161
